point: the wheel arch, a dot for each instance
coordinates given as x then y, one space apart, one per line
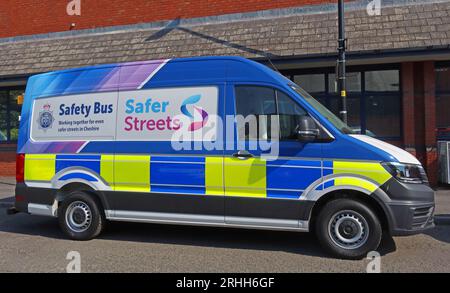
371 200
70 187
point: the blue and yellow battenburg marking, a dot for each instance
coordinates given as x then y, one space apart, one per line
284 179
366 175
139 173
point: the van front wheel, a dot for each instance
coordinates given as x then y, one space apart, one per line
348 228
80 216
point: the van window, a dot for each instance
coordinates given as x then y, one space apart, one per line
327 114
256 105
289 114
268 103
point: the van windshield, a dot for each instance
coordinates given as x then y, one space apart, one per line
338 123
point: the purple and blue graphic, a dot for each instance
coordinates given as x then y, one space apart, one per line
102 78
196 125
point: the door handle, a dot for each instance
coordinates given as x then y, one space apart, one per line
243 155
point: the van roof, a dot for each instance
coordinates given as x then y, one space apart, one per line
151 74
143 62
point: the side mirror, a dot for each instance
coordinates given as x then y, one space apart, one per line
307 129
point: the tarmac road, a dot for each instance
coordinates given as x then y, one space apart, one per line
36 244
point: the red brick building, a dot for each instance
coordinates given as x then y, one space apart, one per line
398 56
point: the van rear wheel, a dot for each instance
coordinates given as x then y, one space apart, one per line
80 216
348 228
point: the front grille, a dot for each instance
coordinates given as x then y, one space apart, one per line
422 217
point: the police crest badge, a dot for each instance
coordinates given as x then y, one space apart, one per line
45 119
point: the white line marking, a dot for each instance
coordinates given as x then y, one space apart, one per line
153 73
84 144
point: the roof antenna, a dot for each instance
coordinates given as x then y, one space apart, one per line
270 61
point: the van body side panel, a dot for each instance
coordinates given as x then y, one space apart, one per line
169 203
268 208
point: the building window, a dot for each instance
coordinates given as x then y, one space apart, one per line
353 85
3 116
312 83
382 81
10 114
382 103
383 115
352 82
373 98
442 97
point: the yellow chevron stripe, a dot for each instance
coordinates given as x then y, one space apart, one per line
352 181
373 171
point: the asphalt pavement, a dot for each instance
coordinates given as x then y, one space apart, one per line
36 244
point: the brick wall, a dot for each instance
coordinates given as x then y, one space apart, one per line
7 163
419 114
27 17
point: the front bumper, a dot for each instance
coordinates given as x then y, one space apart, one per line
411 219
411 207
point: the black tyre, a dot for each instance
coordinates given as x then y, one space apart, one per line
348 228
80 216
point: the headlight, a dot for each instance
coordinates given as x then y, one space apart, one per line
407 173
